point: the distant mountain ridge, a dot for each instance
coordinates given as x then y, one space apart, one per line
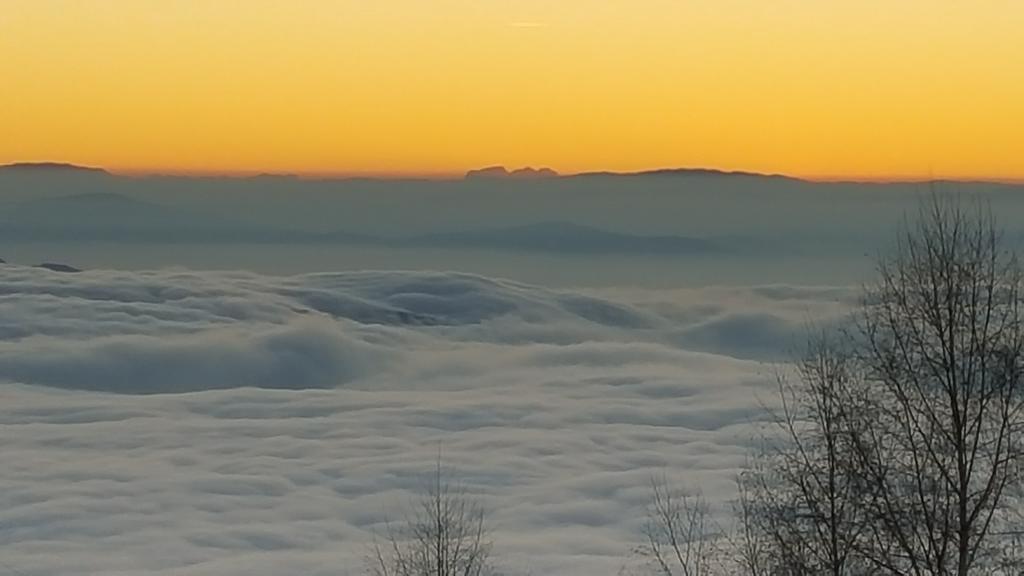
528 173
496 172
502 173
50 167
701 172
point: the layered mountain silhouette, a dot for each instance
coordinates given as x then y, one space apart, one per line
666 212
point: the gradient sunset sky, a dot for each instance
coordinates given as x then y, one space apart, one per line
876 89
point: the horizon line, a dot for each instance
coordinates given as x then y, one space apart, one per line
445 176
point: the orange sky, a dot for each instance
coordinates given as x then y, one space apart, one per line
814 88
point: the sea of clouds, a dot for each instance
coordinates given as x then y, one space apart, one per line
215 423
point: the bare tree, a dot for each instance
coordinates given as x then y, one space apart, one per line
898 450
1010 530
799 508
751 550
681 536
943 353
444 534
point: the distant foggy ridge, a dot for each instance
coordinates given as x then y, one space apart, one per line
104 216
566 237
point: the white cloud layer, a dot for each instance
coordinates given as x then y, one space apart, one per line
225 423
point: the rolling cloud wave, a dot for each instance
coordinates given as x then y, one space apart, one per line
234 423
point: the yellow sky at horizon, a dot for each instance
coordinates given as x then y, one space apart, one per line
809 88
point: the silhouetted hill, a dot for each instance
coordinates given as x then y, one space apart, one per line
690 172
56 267
49 168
